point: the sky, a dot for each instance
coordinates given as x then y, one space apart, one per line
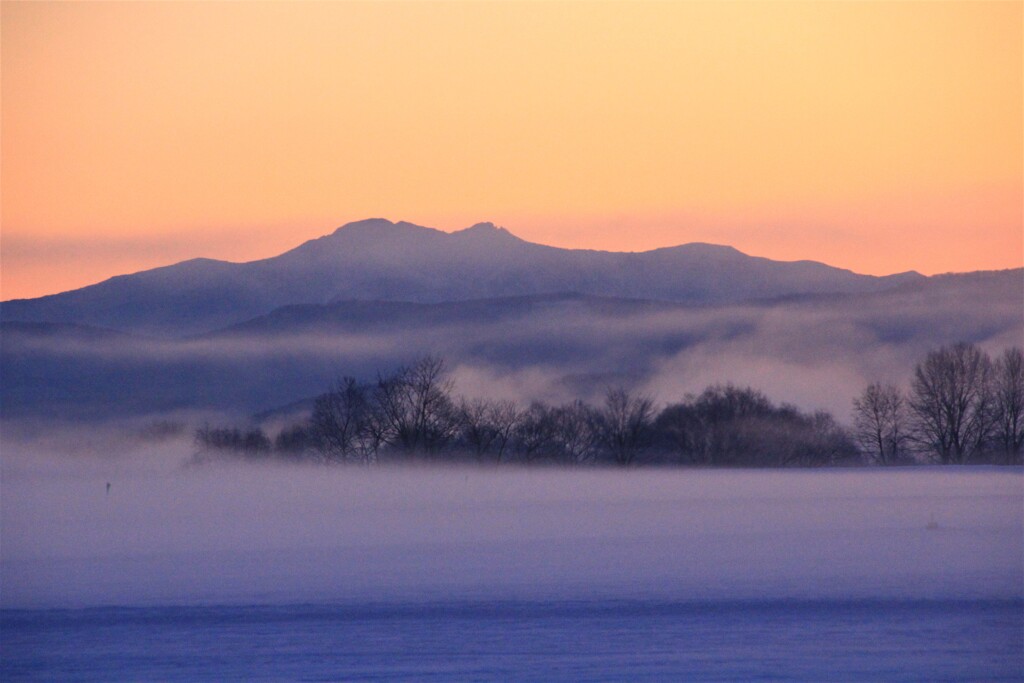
876 136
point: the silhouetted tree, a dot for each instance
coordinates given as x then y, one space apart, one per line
504 417
880 423
732 426
296 441
822 441
415 408
678 432
1008 400
340 422
252 442
951 401
623 426
730 419
562 433
475 428
534 433
574 434
486 427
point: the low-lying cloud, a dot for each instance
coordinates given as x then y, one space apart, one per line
815 353
171 533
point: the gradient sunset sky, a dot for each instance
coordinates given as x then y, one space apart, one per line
876 136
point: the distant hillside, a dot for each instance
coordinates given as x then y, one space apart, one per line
813 350
380 260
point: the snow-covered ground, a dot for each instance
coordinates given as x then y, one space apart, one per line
739 562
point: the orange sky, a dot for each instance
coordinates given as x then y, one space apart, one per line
877 136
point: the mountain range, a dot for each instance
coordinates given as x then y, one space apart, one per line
379 260
514 319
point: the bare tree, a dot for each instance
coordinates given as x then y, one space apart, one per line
624 424
822 441
564 433
250 443
392 404
476 428
297 441
880 423
573 433
415 407
733 426
340 422
678 430
487 427
534 433
1008 397
504 416
951 401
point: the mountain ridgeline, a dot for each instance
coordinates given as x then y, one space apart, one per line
515 320
379 260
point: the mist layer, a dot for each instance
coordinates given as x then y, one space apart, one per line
227 534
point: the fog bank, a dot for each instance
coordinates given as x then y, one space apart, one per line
816 353
169 533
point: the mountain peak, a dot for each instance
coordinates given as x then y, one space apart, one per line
373 229
378 232
487 231
365 225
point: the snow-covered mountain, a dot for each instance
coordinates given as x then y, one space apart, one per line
379 260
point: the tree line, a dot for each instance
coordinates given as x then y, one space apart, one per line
962 406
413 413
